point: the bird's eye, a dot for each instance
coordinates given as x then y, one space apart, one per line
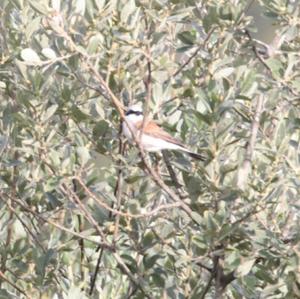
133 112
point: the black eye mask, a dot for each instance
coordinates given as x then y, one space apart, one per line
134 112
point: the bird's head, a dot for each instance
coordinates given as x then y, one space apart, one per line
134 113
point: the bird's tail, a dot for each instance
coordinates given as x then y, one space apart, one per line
193 155
196 156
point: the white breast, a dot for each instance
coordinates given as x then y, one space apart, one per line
126 131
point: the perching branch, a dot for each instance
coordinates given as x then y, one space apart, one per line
120 108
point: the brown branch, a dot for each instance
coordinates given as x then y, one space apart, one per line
212 276
81 246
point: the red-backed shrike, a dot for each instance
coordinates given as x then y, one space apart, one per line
153 137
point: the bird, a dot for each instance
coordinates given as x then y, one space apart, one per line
153 138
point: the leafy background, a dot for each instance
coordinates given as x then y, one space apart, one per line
164 228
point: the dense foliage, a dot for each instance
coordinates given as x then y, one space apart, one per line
166 227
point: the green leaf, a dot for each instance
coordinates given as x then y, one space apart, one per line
94 42
78 114
30 56
210 221
80 6
4 294
158 280
100 129
49 53
84 155
3 142
223 73
39 6
187 37
276 66
49 113
245 267
127 10
149 261
2 85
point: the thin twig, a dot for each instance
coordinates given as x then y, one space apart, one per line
245 169
94 277
148 91
207 287
204 267
118 187
95 88
171 171
55 224
3 277
48 62
25 226
255 51
195 53
66 190
266 66
127 215
117 257
118 195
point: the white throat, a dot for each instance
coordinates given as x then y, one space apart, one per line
133 116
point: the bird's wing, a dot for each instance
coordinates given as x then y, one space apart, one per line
152 129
